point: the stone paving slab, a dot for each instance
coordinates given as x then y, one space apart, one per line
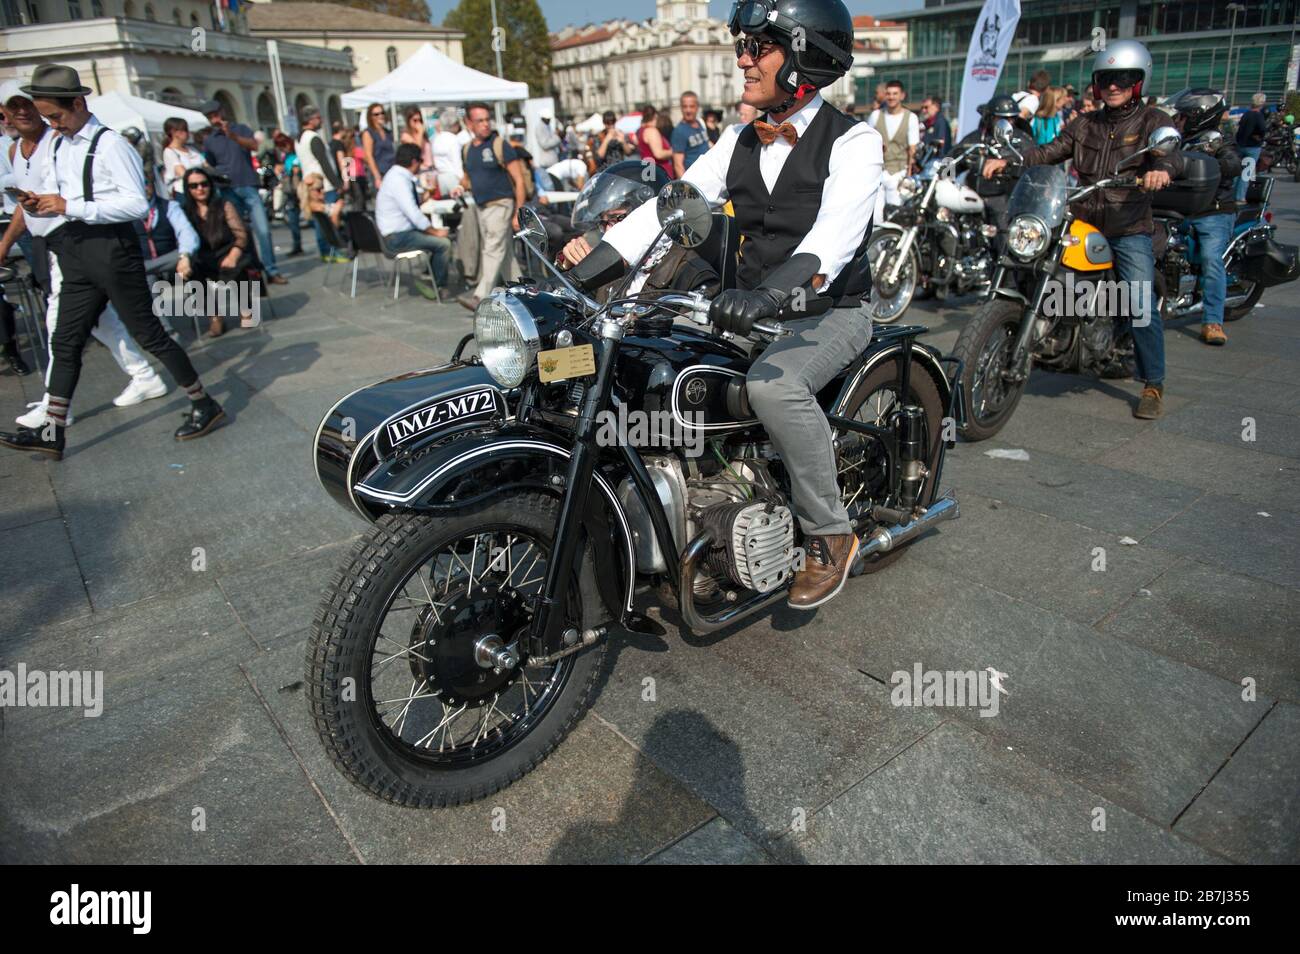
1248 811
716 843
1233 626
124 787
595 799
1132 726
957 797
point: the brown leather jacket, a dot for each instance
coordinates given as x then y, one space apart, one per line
1096 142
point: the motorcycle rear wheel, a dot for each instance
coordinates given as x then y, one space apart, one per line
435 680
984 347
871 402
1237 312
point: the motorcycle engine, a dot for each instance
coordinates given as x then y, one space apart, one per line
753 539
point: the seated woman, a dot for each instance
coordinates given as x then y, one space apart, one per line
606 199
224 243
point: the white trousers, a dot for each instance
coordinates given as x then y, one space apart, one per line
888 193
109 331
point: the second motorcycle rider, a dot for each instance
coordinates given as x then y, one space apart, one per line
802 180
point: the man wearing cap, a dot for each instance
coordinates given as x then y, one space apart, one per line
30 157
229 148
95 181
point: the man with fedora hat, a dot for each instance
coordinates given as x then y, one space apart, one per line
95 180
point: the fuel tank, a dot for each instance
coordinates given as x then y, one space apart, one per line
696 380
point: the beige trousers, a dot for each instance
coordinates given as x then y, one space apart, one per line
494 244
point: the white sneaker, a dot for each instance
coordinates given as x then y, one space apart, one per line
137 392
35 418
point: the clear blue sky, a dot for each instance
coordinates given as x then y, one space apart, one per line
558 13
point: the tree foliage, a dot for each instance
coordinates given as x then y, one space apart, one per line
525 43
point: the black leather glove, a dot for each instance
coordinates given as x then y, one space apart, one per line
601 266
736 310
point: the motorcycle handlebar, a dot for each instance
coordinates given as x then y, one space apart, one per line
696 308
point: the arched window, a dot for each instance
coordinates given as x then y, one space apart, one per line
176 16
227 105
96 8
348 51
392 57
194 19
335 110
172 96
74 9
266 118
149 14
128 9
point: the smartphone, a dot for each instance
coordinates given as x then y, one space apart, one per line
15 192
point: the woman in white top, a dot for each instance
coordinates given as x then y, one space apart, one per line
178 155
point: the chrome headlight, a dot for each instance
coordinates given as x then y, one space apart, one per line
507 338
1027 236
909 186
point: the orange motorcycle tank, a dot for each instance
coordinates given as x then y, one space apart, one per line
1089 251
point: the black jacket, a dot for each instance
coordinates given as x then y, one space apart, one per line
1225 199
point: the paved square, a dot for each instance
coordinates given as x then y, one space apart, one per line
1152 708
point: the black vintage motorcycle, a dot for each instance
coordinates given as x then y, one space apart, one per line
463 636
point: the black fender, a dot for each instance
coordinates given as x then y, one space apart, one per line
469 467
886 343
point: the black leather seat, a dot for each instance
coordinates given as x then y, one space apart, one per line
1247 213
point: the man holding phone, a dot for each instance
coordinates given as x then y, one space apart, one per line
96 182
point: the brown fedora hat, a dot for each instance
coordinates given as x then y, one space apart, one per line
55 80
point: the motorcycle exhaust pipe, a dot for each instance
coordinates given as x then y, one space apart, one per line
884 539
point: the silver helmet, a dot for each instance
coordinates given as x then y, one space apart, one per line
1123 55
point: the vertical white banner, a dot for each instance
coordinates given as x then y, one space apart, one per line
994 30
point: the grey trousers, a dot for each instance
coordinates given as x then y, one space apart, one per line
783 385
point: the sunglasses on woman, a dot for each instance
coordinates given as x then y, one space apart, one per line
191 186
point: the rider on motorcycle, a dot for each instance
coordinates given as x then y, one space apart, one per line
804 218
997 192
1097 142
608 198
1199 111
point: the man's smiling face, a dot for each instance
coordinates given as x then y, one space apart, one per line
760 73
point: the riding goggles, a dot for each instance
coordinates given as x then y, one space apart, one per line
759 16
1122 79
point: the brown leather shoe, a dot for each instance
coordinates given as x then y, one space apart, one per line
827 561
1151 405
1212 334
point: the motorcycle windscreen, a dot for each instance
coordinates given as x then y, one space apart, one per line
1041 193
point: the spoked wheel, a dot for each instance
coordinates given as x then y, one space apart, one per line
890 298
420 684
984 347
862 461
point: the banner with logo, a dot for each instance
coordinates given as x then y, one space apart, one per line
994 30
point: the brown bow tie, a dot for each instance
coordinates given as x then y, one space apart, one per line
767 133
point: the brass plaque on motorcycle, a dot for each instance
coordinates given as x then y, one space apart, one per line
564 363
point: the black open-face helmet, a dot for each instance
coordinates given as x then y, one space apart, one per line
1001 106
816 35
1199 110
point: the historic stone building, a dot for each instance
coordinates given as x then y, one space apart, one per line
620 64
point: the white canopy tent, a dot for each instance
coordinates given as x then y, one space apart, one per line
428 76
121 110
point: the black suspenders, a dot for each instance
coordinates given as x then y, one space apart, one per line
87 171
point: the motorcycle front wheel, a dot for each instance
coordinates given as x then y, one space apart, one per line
984 347
401 680
890 298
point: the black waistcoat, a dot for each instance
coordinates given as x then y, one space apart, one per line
773 224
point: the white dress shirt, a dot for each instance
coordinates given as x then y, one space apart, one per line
848 194
118 177
396 209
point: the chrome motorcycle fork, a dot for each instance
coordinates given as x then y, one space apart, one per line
909 237
1022 352
546 631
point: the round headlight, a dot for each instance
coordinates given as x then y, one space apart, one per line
909 186
507 338
1027 236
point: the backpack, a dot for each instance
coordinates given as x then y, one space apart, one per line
499 150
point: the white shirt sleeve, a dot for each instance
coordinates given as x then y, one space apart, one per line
410 208
848 200
913 129
633 235
119 185
187 240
